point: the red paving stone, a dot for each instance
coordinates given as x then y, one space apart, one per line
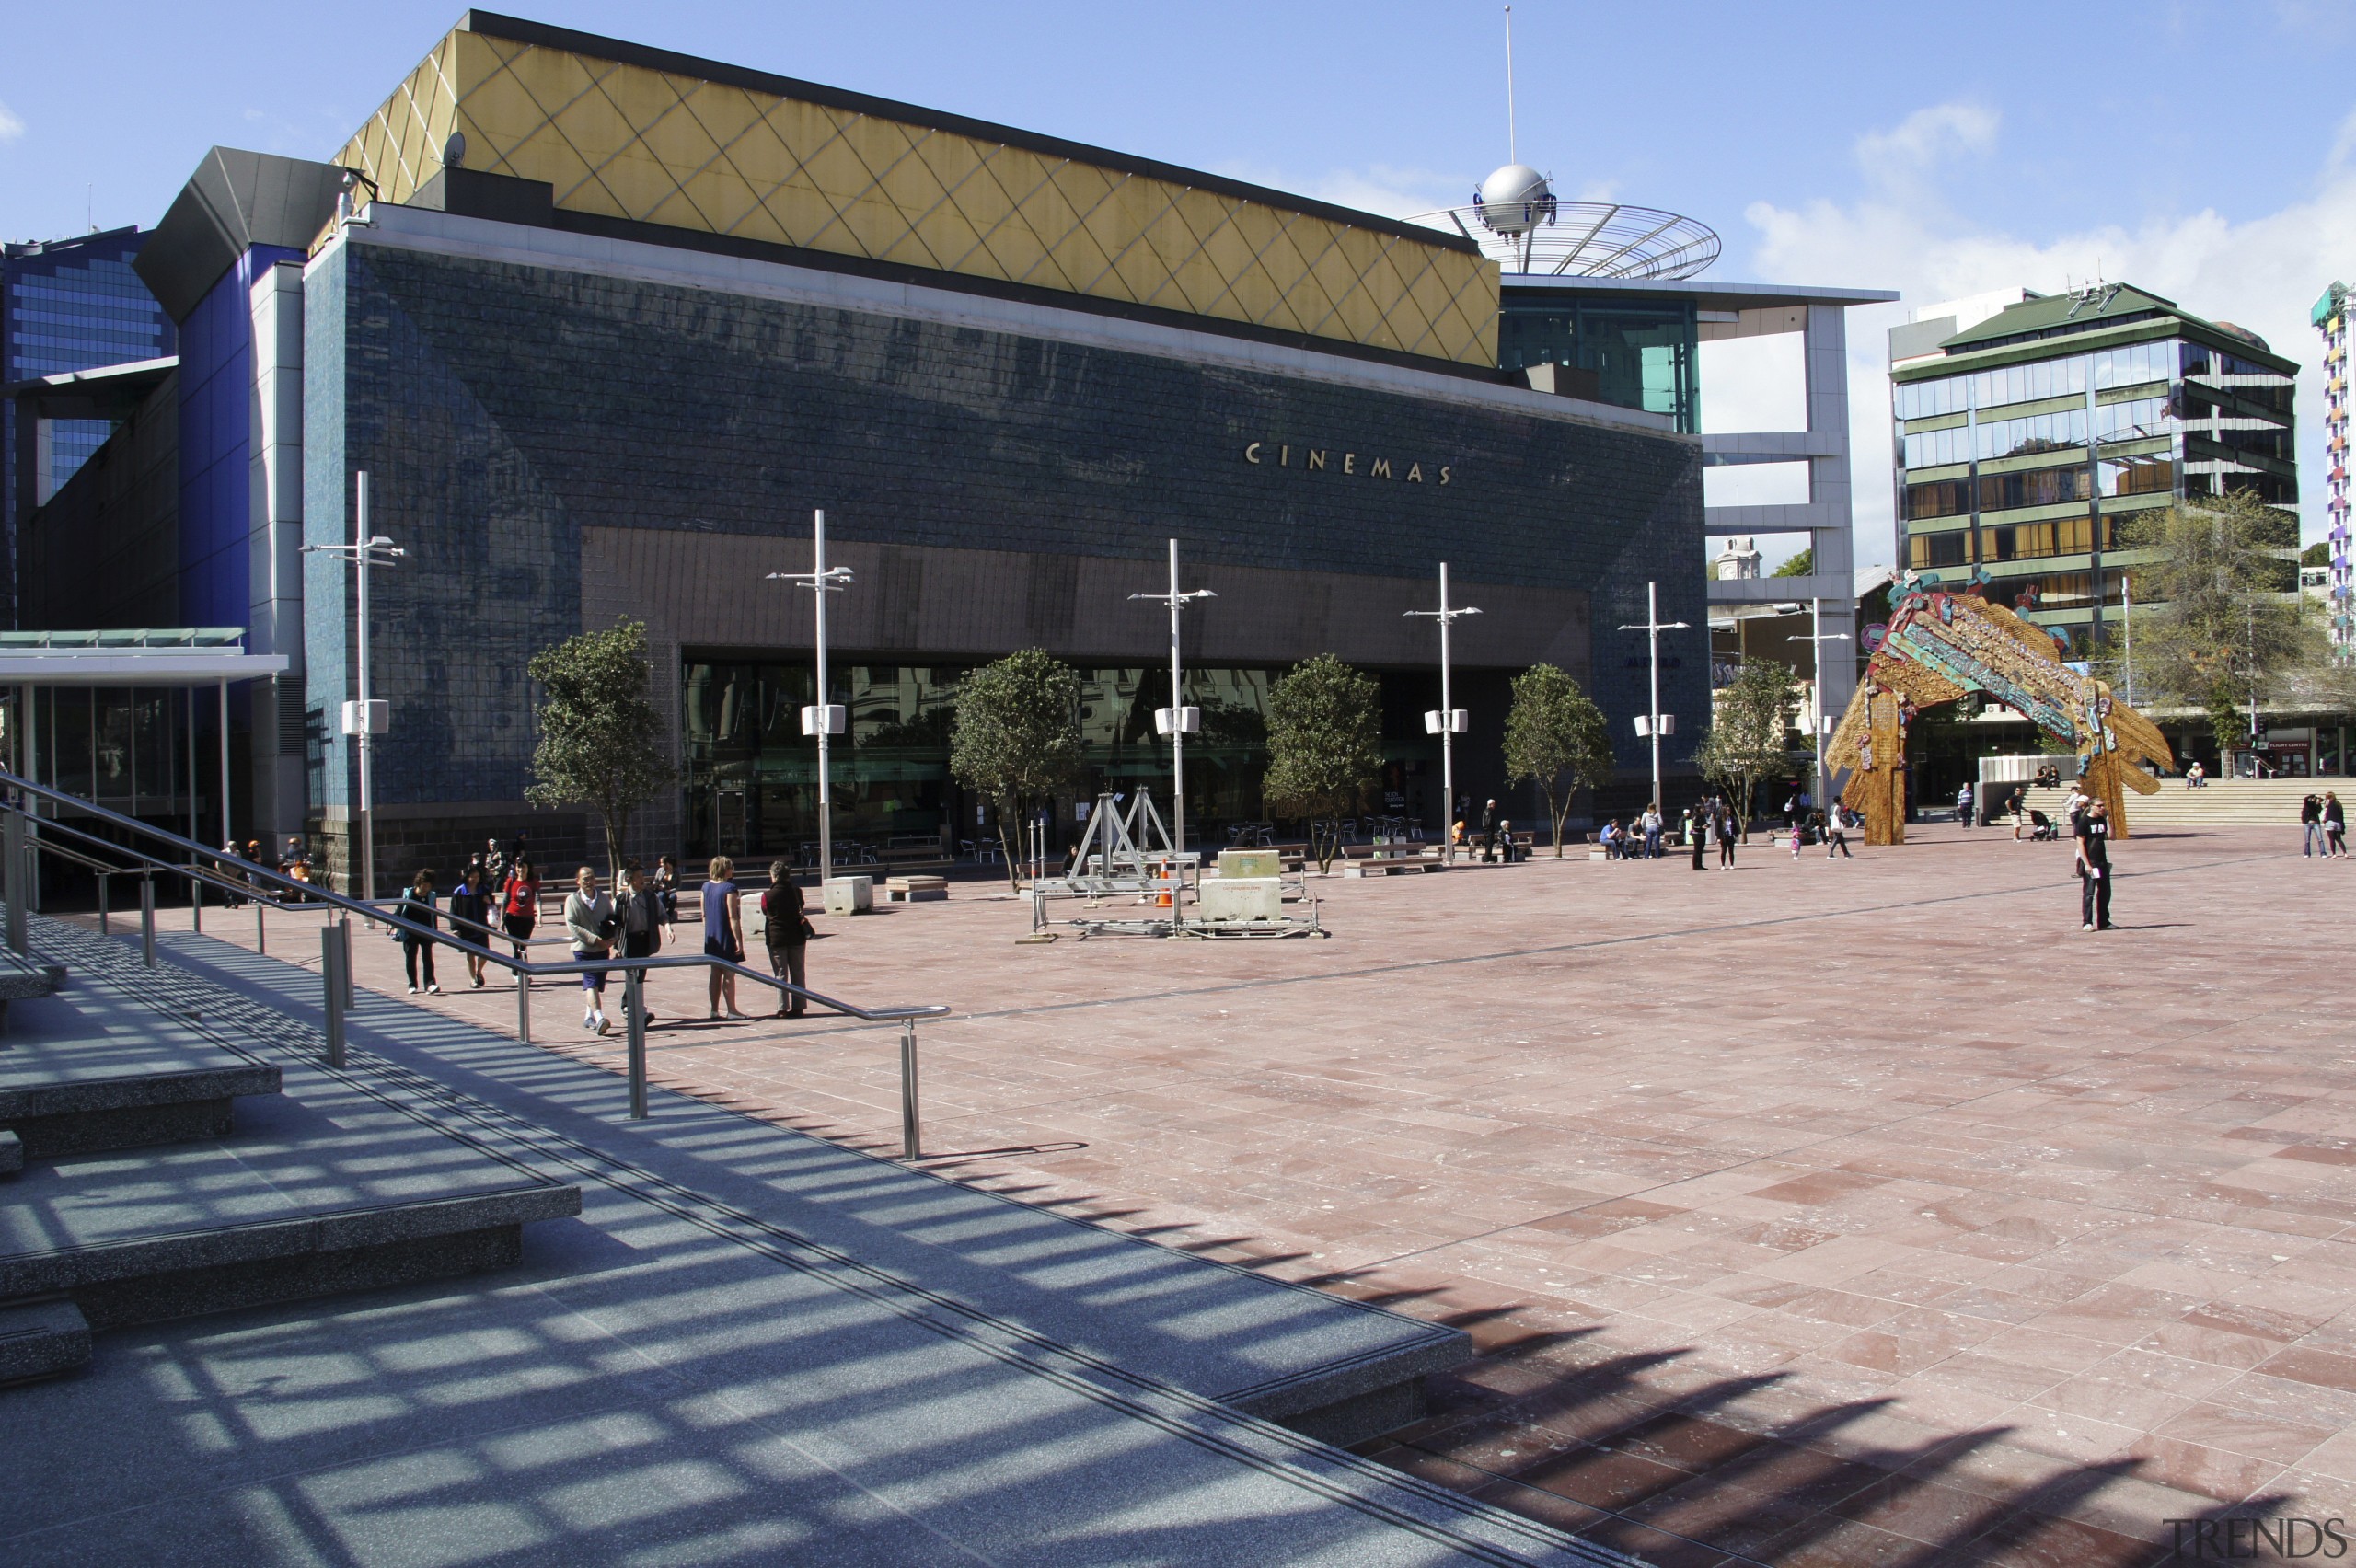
1849 1213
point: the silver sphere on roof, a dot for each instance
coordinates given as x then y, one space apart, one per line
1515 198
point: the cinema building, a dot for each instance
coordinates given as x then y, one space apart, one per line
605 326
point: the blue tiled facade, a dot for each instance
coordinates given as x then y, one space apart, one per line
502 409
217 444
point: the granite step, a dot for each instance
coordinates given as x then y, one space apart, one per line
87 1070
12 1153
753 1346
42 1339
306 1201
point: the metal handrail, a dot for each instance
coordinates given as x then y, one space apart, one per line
335 952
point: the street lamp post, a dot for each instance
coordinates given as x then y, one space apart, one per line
1447 720
823 719
366 718
1177 721
1655 723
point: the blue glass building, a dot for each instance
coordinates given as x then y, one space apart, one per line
67 305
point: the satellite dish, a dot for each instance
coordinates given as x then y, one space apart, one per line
454 151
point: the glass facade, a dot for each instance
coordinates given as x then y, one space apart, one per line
2013 463
1636 352
64 305
752 774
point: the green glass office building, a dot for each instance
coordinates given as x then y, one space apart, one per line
2026 441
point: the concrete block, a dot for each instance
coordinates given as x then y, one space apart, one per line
849 896
40 1339
1242 898
12 1153
1249 863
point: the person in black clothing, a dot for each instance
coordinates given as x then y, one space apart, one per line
2093 830
788 936
417 905
2335 826
472 900
1697 831
641 915
1489 832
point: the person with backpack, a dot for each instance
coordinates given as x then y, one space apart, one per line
788 935
471 911
417 907
590 921
519 909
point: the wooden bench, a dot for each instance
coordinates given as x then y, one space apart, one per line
1388 861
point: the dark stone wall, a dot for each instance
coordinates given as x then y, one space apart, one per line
504 412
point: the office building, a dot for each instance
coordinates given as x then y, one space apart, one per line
65 305
2029 429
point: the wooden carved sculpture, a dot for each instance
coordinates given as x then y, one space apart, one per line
1941 646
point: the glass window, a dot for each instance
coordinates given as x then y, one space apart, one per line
1635 353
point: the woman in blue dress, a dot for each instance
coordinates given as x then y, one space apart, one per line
723 930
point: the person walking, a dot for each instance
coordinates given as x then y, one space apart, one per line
2335 826
494 863
2093 867
590 922
1963 804
471 911
641 927
2311 843
519 909
1489 833
417 907
1795 832
1836 836
723 929
1725 825
786 931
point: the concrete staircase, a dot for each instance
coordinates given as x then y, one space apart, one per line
752 1345
156 1173
2227 802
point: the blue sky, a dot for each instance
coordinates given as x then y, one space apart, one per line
2206 151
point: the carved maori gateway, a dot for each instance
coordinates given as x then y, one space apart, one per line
1943 646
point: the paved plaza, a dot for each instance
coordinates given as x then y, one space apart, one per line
1851 1213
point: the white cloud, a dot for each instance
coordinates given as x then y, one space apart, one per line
10 126
2262 272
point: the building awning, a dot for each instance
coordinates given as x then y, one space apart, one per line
149 656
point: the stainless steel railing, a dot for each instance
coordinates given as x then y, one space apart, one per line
25 832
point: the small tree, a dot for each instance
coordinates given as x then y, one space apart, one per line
1325 746
1555 736
1017 739
1749 741
2217 616
600 740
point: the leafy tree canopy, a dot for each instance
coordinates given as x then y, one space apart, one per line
1800 565
1750 733
600 738
1017 739
1556 737
1324 742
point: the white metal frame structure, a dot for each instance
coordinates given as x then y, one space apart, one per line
367 718
1178 720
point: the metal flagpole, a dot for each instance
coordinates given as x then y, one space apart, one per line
1177 719
823 719
1447 721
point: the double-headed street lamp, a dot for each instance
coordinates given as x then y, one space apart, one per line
1178 721
366 718
821 719
1656 723
1447 720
